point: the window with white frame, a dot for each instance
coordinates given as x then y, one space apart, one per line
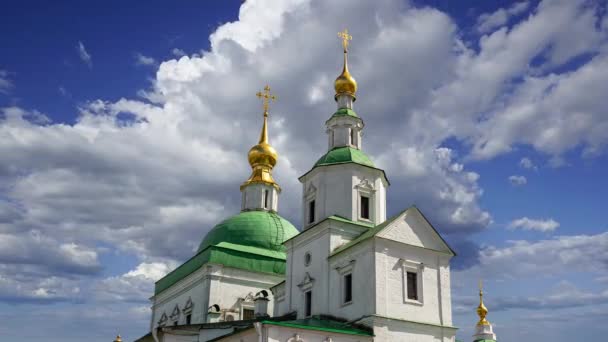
412 273
365 206
345 270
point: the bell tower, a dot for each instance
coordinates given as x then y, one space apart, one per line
344 182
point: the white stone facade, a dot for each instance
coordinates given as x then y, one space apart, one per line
231 289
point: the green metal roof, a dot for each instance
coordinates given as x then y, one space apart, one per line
318 324
341 155
256 228
484 340
344 112
250 240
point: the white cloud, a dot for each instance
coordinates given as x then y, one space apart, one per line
84 55
144 60
178 52
6 85
489 21
518 180
527 163
135 285
547 225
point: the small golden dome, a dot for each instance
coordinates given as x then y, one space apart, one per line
263 154
263 157
345 83
118 339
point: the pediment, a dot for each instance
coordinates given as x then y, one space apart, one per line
189 305
412 228
307 282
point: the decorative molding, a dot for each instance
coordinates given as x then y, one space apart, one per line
365 185
307 283
345 267
188 307
175 313
310 191
295 338
163 319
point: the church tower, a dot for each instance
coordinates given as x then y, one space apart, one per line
344 182
260 191
483 329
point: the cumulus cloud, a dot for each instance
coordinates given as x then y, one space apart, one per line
527 163
5 83
563 296
518 180
144 60
84 55
178 52
152 177
133 286
525 223
489 21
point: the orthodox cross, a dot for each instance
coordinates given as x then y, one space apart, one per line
265 96
345 38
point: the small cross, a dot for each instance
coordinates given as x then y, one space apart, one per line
345 38
265 96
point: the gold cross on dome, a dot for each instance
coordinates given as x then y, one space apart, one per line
265 96
345 38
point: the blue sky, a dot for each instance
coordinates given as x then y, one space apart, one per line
124 132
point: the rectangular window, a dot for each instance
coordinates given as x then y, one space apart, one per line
348 288
311 211
365 207
266 193
248 314
412 286
352 137
188 319
175 323
308 303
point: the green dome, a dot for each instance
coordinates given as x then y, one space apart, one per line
260 229
341 155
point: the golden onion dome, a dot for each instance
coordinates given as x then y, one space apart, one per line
345 83
263 154
482 311
263 157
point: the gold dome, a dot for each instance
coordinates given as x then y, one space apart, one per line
482 311
345 83
263 157
263 154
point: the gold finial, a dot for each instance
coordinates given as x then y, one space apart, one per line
482 311
263 157
118 339
266 96
345 83
345 38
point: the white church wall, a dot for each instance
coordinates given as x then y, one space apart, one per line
192 287
316 244
358 261
284 334
335 190
212 284
254 197
391 294
229 285
389 330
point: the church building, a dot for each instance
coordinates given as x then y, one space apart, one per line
350 273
